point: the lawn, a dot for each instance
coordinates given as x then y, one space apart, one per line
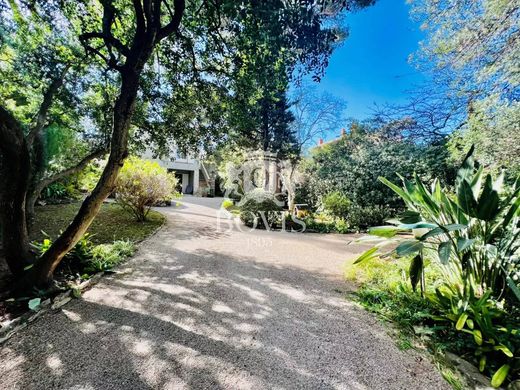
111 224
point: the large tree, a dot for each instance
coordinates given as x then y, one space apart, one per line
471 56
122 36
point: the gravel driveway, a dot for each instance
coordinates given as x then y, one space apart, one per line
199 308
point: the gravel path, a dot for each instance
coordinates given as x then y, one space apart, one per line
199 308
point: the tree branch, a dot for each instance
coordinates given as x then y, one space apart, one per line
175 21
109 40
69 171
48 97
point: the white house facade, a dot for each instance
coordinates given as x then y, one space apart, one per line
193 176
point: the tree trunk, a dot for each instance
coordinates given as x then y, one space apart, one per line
37 186
15 172
123 111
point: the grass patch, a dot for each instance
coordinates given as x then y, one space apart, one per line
111 224
384 289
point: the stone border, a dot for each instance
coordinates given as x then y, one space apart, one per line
10 327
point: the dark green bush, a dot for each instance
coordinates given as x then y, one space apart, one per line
360 218
259 205
336 204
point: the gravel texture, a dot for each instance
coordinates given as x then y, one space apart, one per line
204 308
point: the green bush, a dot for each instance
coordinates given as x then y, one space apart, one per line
360 218
351 165
336 204
87 258
105 256
142 184
258 206
472 236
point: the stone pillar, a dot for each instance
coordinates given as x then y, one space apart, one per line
196 179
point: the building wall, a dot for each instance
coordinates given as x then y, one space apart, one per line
181 164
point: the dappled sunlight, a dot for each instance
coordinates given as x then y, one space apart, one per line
201 318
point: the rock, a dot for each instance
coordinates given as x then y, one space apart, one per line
469 371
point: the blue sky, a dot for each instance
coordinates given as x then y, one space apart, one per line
372 65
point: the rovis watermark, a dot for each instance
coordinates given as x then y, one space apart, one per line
279 221
262 191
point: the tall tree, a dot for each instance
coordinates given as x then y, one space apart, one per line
202 36
471 54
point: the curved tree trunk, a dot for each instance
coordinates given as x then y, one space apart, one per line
123 110
15 171
36 187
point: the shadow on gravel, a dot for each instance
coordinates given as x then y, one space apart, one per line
205 320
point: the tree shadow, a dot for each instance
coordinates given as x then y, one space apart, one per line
205 319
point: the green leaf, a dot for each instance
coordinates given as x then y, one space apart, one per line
476 182
399 191
482 363
410 216
419 225
443 230
461 321
416 268
464 243
500 375
369 254
470 323
408 247
384 231
477 335
444 252
466 169
488 203
465 198
34 304
504 349
512 285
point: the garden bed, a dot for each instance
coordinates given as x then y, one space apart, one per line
111 226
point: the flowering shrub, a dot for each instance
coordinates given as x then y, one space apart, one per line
142 184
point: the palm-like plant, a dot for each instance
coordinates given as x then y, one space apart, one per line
472 233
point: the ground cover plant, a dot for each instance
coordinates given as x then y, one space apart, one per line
471 238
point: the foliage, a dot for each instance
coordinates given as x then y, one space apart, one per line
336 204
142 184
361 218
352 163
105 256
473 234
227 204
472 237
88 258
477 40
259 208
493 127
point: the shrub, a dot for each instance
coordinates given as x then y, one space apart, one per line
352 164
105 256
142 184
87 258
360 218
473 238
258 206
336 204
227 204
